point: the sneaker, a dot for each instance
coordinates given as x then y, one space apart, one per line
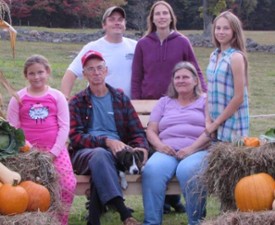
166 208
131 221
179 208
131 210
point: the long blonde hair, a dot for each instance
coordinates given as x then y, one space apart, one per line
151 27
238 40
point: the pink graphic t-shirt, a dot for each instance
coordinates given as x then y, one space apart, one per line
44 119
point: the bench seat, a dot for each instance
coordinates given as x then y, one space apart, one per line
134 185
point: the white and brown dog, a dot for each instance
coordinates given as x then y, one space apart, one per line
130 161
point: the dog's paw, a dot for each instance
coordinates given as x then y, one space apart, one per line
123 181
142 168
124 184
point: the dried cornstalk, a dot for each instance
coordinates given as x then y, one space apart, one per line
5 12
1 106
10 90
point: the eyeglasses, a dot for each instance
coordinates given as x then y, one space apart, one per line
99 69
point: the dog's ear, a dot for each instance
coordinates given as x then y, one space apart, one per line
121 155
140 155
125 155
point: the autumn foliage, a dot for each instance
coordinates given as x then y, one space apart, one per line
58 12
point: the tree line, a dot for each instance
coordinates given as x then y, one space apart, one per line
195 14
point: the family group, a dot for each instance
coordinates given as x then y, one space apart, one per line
100 120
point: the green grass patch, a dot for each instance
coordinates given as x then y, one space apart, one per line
78 212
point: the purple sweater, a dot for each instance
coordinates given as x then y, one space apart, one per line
153 64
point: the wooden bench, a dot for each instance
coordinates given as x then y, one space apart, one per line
143 108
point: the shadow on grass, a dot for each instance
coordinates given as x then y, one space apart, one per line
78 212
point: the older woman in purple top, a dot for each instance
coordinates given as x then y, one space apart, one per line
176 130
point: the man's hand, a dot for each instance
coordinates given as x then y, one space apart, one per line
115 145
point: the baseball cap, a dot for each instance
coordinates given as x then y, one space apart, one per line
112 9
91 54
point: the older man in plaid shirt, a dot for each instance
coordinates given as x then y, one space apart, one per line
103 122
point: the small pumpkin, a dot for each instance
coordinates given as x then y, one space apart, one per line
39 196
255 192
13 199
8 176
25 148
273 203
251 141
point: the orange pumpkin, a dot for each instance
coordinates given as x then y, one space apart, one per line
251 141
255 192
13 199
25 148
39 196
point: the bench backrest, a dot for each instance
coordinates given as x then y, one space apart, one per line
143 109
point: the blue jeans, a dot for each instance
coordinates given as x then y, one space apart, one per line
157 172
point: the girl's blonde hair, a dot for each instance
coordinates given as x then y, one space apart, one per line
151 27
172 92
238 40
36 59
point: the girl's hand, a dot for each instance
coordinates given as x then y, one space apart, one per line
52 156
211 130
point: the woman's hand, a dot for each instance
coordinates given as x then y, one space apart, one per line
166 149
184 152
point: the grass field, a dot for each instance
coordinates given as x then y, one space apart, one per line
261 96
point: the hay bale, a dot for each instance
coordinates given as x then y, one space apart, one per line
31 165
227 164
241 218
30 218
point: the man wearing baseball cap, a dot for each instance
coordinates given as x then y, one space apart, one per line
102 123
118 52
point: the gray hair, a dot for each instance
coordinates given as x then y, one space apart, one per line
172 93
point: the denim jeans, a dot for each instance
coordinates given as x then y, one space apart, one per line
105 184
157 172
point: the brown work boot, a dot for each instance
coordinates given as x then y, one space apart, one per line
131 221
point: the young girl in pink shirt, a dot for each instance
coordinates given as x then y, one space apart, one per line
44 116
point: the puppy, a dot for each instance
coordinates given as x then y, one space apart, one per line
129 161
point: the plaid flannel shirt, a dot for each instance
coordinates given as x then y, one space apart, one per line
128 125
